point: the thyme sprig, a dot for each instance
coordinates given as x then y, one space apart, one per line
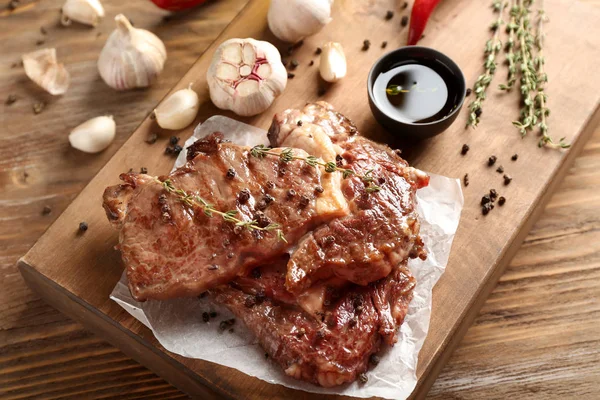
210 210
528 117
492 48
541 98
509 48
287 155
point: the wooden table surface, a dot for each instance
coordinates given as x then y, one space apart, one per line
538 335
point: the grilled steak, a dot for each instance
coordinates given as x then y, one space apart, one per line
382 228
173 249
333 348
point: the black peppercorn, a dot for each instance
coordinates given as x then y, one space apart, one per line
322 91
290 75
389 15
466 180
143 170
514 157
468 93
478 112
363 378
173 140
10 99
492 160
177 149
311 63
319 189
374 359
291 193
404 21
383 44
493 194
243 196
507 179
231 173
294 64
464 149
487 208
318 51
213 314
366 44
299 123
304 200
500 169
405 5
339 160
47 210
501 201
205 317
83 226
486 199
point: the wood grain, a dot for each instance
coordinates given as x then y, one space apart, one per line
33 332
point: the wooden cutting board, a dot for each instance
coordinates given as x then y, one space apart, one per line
76 272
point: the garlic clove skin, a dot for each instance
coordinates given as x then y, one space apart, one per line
179 109
246 76
332 64
131 57
42 67
292 20
88 12
94 135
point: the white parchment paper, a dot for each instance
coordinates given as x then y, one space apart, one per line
178 325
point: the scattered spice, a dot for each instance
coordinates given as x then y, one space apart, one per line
485 209
290 75
465 149
405 5
319 189
374 359
243 196
173 140
492 160
500 169
43 30
366 45
213 267
226 324
294 64
250 301
301 332
304 200
468 92
466 180
40 42
389 15
10 99
143 170
151 139
83 226
291 193
507 179
363 378
383 44
46 210
205 317
299 123
318 51
322 91
231 330
13 4
231 173
514 157
38 107
404 21
213 314
493 194
255 273
486 199
501 201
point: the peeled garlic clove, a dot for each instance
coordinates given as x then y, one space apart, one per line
42 67
131 57
332 65
246 76
88 12
94 135
292 20
178 110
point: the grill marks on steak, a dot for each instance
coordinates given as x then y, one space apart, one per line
381 229
172 250
335 347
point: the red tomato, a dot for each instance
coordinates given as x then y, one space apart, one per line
177 5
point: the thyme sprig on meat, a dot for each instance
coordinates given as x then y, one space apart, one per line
210 210
287 155
492 48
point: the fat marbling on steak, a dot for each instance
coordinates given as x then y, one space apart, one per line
171 249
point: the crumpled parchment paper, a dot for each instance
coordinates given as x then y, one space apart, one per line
178 325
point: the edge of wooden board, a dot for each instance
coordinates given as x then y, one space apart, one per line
432 371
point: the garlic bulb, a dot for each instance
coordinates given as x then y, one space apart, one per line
178 110
292 20
93 135
131 57
246 76
88 12
42 67
332 65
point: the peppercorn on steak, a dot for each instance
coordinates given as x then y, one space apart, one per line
306 241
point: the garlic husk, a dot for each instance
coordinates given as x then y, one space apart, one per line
246 76
42 67
88 12
292 20
332 64
131 57
178 110
94 135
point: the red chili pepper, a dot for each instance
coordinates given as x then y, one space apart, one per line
419 16
177 5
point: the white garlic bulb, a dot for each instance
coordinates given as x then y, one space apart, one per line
42 67
88 12
94 135
292 20
332 64
131 57
246 76
178 110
